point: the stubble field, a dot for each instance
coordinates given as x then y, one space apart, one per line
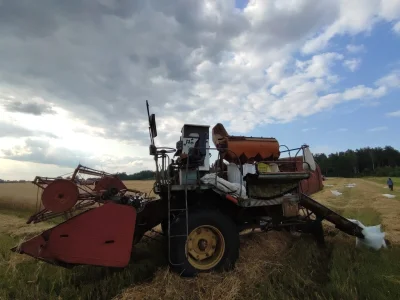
272 265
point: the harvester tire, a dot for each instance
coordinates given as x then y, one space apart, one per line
212 244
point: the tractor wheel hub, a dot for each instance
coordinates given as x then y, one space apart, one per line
202 245
205 247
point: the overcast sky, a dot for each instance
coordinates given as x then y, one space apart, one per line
74 77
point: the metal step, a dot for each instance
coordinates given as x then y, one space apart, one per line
184 214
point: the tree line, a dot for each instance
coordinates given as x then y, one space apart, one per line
142 175
365 161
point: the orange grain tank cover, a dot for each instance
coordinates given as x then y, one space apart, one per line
246 149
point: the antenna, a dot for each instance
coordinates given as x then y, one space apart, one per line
148 110
152 128
149 119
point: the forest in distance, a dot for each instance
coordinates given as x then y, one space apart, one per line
367 161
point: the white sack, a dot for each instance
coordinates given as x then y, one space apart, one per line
351 185
373 236
225 186
388 195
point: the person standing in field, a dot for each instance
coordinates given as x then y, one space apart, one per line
390 184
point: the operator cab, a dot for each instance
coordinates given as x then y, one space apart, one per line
193 152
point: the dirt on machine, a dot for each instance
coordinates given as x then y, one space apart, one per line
254 183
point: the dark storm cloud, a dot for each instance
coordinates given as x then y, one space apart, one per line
28 107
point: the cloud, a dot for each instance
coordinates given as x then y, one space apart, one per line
396 28
360 92
35 107
352 64
43 152
352 18
376 129
391 80
104 64
13 130
95 64
355 48
394 114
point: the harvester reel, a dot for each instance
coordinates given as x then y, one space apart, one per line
108 183
60 195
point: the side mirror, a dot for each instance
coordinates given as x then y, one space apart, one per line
153 125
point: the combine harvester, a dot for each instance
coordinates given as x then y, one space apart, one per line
201 209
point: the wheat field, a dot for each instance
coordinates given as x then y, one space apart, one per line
25 195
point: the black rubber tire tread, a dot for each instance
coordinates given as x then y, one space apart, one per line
205 217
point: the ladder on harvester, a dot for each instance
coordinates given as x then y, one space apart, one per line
182 212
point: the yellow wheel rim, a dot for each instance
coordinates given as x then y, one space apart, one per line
205 247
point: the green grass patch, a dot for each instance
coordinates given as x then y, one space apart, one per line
341 271
382 180
25 214
383 189
32 279
366 215
303 271
339 203
362 273
16 213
